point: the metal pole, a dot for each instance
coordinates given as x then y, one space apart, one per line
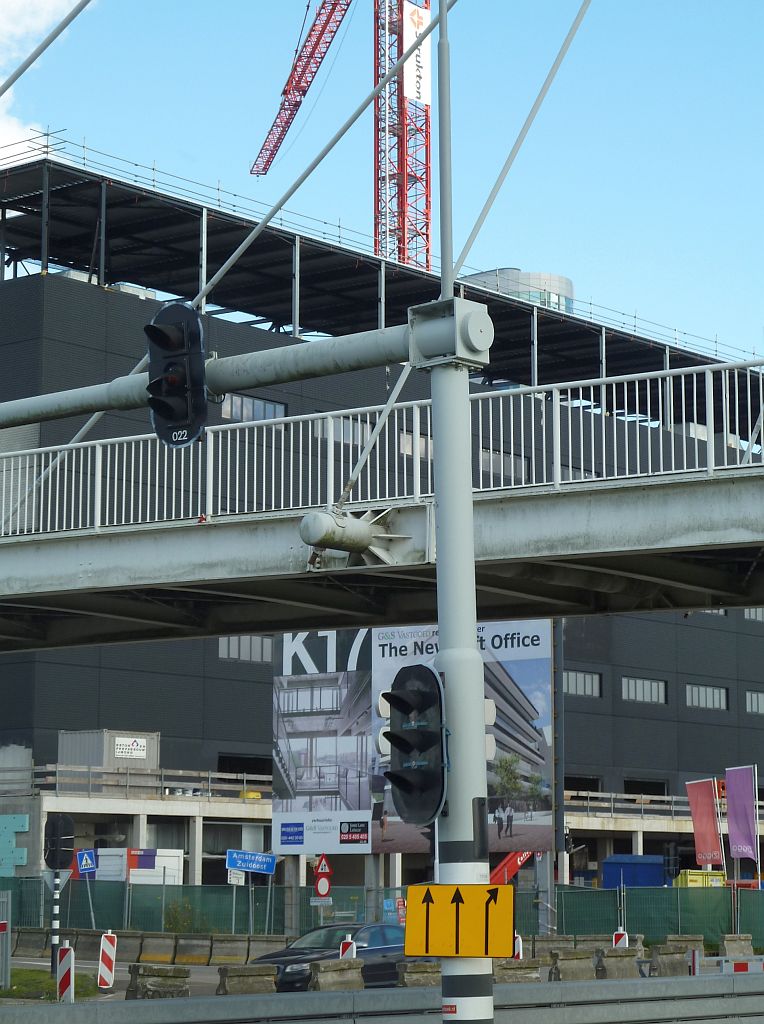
444 156
203 257
90 902
251 905
233 909
43 46
466 983
296 287
54 922
45 219
102 238
268 904
462 854
164 883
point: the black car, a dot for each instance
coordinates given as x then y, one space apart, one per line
379 946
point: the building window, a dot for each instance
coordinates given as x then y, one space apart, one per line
645 691
245 408
246 648
755 614
406 445
346 430
582 684
713 698
506 467
714 611
754 702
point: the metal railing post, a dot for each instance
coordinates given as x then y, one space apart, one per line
556 440
710 425
98 487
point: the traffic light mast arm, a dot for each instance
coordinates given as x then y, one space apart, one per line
440 334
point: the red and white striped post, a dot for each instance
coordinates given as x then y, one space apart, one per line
107 959
65 973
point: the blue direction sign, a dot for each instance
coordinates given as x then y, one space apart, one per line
86 861
246 860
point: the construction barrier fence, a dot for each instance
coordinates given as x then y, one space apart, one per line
265 909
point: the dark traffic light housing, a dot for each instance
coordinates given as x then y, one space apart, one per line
177 390
417 738
59 841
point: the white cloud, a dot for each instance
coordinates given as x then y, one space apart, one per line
23 26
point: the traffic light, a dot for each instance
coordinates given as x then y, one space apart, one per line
178 395
59 841
417 738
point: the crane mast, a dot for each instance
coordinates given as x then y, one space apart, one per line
402 190
305 68
402 185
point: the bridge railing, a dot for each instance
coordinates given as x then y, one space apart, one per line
700 420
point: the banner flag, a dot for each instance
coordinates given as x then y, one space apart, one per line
705 821
741 811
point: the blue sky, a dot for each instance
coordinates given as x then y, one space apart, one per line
641 179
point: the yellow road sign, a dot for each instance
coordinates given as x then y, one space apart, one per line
460 920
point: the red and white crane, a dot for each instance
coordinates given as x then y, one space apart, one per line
402 191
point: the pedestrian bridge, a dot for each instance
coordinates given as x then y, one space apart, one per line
617 494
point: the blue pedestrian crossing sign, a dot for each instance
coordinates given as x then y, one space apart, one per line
86 861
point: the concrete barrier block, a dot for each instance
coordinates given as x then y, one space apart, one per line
684 942
156 948
542 945
571 965
229 949
148 981
242 980
418 973
621 963
31 942
335 975
513 971
260 944
129 946
667 961
736 946
193 950
88 945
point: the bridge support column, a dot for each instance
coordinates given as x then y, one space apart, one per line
139 835
637 842
195 846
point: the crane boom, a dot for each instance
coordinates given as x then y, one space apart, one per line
305 68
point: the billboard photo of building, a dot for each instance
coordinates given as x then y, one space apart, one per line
330 794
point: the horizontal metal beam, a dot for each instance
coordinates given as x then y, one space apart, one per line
233 373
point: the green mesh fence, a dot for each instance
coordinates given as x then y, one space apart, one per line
751 915
586 911
526 912
226 909
348 903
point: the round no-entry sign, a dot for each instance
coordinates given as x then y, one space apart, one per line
322 885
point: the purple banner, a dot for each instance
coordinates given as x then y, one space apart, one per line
741 811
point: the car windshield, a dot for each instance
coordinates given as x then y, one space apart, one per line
323 938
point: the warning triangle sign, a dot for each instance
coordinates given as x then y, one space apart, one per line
322 866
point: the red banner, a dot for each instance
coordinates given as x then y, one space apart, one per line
705 821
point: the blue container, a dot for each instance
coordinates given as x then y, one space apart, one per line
633 870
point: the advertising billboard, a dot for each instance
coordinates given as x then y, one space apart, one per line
330 794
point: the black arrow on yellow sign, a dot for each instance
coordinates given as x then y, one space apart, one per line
491 898
427 900
457 899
